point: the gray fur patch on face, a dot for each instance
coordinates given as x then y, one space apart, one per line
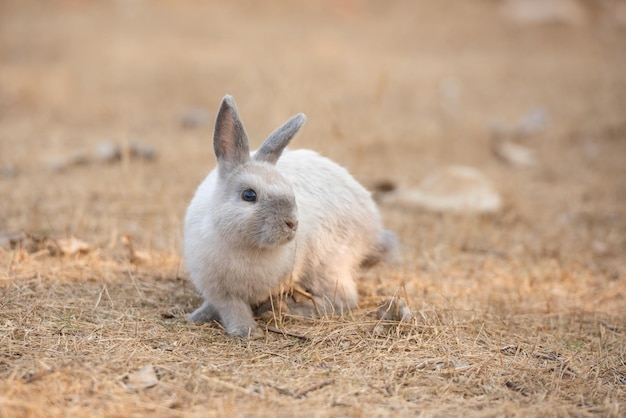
276 214
268 222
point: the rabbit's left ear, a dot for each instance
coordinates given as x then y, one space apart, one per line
230 141
276 142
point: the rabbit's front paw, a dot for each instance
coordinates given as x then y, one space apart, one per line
237 318
246 332
205 313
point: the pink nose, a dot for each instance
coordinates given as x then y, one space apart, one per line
293 225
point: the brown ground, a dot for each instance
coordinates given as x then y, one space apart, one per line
521 313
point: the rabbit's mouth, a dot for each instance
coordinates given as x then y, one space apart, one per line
284 237
278 235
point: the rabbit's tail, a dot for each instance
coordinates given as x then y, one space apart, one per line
386 249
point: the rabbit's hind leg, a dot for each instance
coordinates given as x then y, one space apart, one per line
323 297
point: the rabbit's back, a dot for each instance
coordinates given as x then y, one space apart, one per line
326 193
339 223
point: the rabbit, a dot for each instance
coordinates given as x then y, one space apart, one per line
273 218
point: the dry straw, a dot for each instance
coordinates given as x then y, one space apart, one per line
94 334
517 313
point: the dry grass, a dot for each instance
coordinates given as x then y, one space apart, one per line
521 313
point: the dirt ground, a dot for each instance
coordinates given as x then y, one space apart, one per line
517 313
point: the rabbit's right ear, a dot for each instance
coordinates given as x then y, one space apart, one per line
275 143
230 141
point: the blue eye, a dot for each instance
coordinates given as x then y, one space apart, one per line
248 195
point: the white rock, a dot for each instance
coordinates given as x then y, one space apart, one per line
532 12
460 189
72 245
108 151
144 378
58 164
515 154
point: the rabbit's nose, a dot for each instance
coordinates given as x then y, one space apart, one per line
292 224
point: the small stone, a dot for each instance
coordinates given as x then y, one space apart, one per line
535 12
79 157
619 13
259 389
381 188
515 154
459 364
590 149
394 310
144 378
11 238
380 330
143 151
194 118
384 186
499 130
8 171
72 245
600 247
450 89
532 122
108 152
450 96
58 164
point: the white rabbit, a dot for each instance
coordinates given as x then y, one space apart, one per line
276 218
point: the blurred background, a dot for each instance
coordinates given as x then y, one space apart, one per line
107 110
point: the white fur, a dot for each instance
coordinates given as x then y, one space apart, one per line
339 226
238 252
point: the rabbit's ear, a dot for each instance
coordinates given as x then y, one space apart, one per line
230 141
276 142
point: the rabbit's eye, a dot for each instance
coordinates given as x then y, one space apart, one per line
248 195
